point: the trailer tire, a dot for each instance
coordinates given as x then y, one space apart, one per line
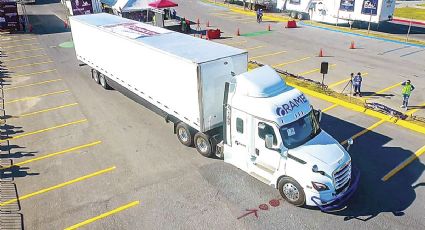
291 191
203 144
95 76
184 134
103 82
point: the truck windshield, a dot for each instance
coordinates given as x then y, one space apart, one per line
300 131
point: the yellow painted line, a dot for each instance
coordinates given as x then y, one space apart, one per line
255 47
37 96
403 164
267 55
43 130
411 112
20 40
291 62
33 84
330 107
122 208
370 128
235 43
344 81
24 197
53 154
383 90
47 110
32 64
314 70
22 58
21 51
30 44
34 73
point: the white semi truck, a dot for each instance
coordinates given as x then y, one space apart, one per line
339 11
252 120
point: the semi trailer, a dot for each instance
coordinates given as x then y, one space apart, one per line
339 11
253 120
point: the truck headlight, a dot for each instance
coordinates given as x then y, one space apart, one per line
319 186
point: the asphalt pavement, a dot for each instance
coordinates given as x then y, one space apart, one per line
85 156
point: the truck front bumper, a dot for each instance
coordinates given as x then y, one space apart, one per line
341 199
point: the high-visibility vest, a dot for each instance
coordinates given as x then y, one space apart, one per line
407 89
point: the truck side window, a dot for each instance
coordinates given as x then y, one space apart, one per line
264 129
239 125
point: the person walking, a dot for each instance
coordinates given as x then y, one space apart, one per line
258 15
406 92
357 83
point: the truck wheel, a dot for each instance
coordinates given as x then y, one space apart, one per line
293 14
291 191
103 82
300 16
184 134
203 144
96 77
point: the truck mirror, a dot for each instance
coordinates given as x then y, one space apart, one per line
269 141
318 115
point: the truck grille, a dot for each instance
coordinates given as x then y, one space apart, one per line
342 177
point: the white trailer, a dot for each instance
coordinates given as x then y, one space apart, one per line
339 11
252 120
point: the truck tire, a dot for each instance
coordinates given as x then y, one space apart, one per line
300 16
103 82
291 191
184 134
293 14
203 144
95 77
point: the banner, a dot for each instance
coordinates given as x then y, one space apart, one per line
347 5
370 7
80 7
9 18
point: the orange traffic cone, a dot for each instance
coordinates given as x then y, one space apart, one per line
65 24
208 23
321 53
352 45
269 28
197 21
201 36
238 33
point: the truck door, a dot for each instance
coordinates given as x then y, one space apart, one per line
238 154
265 162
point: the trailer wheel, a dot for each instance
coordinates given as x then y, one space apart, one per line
184 134
203 144
103 82
95 77
291 191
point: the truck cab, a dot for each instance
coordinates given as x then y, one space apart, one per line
272 132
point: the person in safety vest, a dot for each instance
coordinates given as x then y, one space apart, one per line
406 91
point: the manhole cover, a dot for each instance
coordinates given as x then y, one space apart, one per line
69 44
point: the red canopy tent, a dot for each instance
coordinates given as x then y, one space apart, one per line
163 4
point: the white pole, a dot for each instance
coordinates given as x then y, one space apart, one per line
408 31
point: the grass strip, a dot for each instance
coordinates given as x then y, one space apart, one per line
410 13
